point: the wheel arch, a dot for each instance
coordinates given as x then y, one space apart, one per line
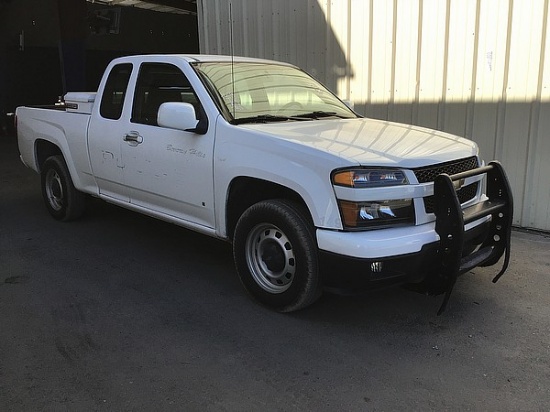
63 201
44 149
245 191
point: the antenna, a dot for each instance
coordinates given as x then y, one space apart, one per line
232 52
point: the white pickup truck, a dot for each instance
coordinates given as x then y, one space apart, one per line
257 152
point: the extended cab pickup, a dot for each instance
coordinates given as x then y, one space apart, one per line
257 152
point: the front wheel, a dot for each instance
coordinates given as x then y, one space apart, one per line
62 199
276 255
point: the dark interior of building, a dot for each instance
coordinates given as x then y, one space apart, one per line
49 47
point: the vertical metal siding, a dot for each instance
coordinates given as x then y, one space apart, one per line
476 68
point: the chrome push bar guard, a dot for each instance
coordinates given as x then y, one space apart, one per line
451 218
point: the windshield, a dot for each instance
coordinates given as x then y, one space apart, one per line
262 92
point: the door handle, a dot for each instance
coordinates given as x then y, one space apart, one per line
133 137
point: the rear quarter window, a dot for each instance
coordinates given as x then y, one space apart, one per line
114 92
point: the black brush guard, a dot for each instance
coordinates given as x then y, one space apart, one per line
451 218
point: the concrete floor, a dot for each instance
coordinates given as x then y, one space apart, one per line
118 311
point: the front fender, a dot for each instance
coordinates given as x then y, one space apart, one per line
243 153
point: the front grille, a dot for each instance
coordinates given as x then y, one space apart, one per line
429 173
464 194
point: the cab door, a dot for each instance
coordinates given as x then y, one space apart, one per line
167 171
106 134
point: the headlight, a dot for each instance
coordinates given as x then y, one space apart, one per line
363 178
362 215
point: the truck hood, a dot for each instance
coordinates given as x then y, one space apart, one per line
370 142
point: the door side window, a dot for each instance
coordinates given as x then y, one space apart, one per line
114 92
160 83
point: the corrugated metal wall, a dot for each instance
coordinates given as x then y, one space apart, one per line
476 68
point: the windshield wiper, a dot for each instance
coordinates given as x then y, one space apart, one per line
321 114
267 118
262 118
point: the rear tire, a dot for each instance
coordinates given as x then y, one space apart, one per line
62 199
276 255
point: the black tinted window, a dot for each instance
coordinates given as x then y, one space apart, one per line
159 83
114 92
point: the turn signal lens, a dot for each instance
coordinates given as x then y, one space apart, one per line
358 215
361 178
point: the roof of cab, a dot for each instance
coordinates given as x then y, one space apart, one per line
195 58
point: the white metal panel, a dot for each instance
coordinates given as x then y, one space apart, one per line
525 50
521 90
477 68
382 59
536 210
536 213
491 38
460 50
405 69
360 45
459 55
432 56
339 50
315 47
490 73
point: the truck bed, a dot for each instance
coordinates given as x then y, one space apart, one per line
58 126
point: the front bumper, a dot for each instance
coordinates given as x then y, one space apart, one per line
434 255
384 268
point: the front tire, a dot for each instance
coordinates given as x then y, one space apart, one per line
62 199
276 255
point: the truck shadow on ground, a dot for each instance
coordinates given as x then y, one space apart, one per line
155 251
